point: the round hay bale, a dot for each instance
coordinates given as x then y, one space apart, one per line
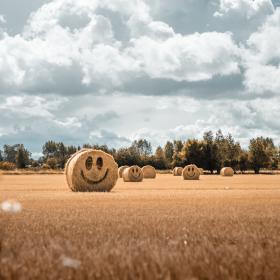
177 171
133 174
201 171
149 172
121 169
227 172
191 172
91 170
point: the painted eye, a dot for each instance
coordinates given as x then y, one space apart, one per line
89 162
132 170
99 163
192 169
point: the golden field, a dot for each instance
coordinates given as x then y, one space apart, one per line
167 228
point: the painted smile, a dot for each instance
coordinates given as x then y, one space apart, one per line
136 176
92 182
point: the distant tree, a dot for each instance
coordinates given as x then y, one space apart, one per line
275 158
10 152
192 152
52 163
233 151
1 156
128 156
168 152
178 146
261 151
50 149
22 157
176 158
243 161
61 155
142 147
160 160
210 152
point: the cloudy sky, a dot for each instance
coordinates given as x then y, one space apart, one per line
111 71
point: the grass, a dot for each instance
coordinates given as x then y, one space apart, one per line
215 228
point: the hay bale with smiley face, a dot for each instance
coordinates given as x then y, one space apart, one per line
91 170
149 172
227 172
133 174
121 169
177 171
191 172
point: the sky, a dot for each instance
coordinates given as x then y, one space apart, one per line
110 72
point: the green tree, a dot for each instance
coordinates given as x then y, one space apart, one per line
22 157
160 160
233 151
50 149
210 152
176 158
261 151
10 152
142 147
168 152
192 152
243 161
52 162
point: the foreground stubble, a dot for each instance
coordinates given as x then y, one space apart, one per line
215 228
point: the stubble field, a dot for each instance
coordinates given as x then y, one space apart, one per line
214 228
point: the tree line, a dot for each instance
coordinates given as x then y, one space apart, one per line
212 152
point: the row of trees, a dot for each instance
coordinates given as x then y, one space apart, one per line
210 153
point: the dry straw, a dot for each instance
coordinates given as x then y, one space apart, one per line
121 169
149 172
177 171
191 172
91 170
227 172
133 174
201 171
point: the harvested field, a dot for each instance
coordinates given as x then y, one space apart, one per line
167 228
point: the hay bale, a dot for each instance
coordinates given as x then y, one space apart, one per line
121 169
133 174
201 171
149 172
177 171
227 172
191 172
91 170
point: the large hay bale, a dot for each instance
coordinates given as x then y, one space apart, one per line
201 171
149 172
227 172
177 171
91 170
191 172
133 174
121 169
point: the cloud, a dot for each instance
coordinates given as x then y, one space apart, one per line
85 56
262 57
195 57
2 19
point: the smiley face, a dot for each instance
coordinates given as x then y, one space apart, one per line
91 170
133 174
191 172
